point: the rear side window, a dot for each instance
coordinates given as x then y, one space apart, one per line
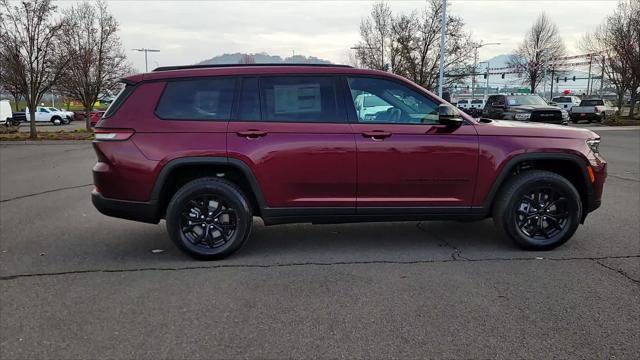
595 102
119 100
199 99
299 99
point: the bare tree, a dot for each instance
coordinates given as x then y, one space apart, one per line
374 31
96 59
542 45
29 49
617 39
413 44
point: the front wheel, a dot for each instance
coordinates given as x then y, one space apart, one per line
538 210
209 218
56 121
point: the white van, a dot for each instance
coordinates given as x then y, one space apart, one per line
5 112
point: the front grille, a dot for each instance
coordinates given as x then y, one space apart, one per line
554 116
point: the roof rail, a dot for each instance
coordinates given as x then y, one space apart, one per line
187 67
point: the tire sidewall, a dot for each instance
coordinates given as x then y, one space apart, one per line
574 208
225 192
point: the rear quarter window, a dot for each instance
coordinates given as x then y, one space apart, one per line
119 100
197 99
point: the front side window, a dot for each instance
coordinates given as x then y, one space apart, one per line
299 99
200 99
385 101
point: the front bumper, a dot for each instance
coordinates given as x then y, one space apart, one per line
131 210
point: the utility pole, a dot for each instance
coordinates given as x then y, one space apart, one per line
553 72
475 64
589 86
443 30
602 75
145 51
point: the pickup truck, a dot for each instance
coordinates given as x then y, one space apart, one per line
593 109
566 102
44 114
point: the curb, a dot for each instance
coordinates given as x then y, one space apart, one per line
614 128
44 142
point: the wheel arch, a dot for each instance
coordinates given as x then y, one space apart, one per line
570 166
177 172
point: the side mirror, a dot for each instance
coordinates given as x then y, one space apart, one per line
449 116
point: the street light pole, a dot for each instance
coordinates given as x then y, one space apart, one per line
443 30
145 51
475 64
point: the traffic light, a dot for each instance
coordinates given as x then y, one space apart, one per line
503 75
558 79
565 79
485 75
574 78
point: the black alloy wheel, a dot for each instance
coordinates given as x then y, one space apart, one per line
209 218
208 222
538 210
542 214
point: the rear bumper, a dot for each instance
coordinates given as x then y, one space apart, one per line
585 116
124 209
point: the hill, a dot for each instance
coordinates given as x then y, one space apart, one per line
263 58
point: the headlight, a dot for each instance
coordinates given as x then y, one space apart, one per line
594 145
565 115
523 116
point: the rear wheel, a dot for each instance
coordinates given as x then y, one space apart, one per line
538 210
209 218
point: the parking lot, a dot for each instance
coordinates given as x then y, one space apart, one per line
77 284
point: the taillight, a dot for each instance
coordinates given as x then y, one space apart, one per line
113 134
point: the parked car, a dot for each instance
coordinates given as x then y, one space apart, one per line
95 117
593 109
70 115
566 102
43 114
475 107
209 147
524 108
6 114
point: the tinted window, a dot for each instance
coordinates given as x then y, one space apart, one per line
562 99
304 98
593 102
202 99
395 103
249 100
119 100
525 100
476 101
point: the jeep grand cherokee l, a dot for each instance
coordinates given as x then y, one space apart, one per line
209 147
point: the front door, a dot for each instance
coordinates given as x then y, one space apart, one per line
292 131
405 157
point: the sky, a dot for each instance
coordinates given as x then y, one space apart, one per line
187 32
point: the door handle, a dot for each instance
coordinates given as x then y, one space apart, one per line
252 134
376 135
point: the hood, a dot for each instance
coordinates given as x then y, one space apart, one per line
488 127
533 107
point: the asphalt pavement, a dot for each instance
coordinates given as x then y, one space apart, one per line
77 284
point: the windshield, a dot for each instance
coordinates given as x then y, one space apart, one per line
525 100
476 101
53 109
562 99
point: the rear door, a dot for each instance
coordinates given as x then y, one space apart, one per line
292 131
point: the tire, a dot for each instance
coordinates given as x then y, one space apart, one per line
66 121
195 201
510 208
56 120
603 117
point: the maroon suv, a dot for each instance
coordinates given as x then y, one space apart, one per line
209 147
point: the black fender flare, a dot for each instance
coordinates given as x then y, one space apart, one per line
511 163
239 165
